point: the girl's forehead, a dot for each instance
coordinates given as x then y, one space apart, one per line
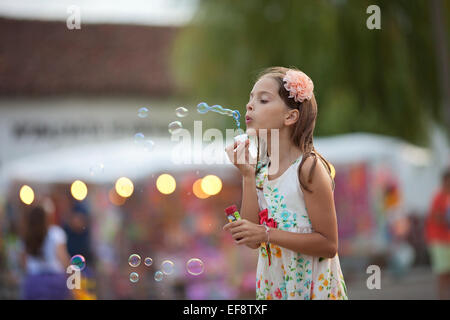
266 83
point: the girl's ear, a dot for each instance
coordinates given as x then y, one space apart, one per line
291 117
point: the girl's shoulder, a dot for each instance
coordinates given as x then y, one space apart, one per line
312 166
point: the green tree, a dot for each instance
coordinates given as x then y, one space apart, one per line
381 81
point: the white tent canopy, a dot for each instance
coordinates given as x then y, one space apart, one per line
416 167
104 163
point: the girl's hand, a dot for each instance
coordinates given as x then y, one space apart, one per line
246 232
239 155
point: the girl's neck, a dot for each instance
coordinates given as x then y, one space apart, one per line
284 151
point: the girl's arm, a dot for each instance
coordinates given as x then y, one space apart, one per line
323 242
249 205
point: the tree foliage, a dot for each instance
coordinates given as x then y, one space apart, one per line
380 81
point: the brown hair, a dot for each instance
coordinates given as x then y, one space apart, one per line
35 230
302 133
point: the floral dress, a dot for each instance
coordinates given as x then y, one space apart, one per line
292 275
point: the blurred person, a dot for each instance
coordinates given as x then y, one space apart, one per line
299 259
78 232
437 234
45 257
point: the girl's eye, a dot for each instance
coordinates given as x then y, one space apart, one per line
263 101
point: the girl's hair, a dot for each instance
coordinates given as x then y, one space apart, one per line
302 133
35 230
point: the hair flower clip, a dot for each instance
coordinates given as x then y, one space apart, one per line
299 85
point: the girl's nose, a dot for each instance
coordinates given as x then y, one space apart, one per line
249 106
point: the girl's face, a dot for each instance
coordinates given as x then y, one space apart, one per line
265 109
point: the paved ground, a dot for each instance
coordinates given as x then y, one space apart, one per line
418 283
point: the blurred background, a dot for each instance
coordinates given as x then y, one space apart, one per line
82 107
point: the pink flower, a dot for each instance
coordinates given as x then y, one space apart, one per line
299 85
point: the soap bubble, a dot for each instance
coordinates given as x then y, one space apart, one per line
217 108
181 112
134 277
158 275
148 261
195 266
167 267
139 138
229 112
78 261
143 112
202 107
175 126
149 145
134 260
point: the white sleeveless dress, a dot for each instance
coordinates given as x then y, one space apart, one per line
292 275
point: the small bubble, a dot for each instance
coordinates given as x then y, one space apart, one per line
167 267
78 261
195 266
158 275
148 261
134 277
134 260
181 112
143 112
139 138
175 126
149 145
202 107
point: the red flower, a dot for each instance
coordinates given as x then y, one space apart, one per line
271 223
259 283
263 216
263 219
278 293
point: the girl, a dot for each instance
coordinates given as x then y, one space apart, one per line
298 256
45 257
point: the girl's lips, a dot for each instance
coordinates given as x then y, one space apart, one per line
248 119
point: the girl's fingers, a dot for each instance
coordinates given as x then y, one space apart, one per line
238 229
230 151
231 147
232 225
241 152
239 235
242 241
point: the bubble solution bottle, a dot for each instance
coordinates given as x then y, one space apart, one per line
232 213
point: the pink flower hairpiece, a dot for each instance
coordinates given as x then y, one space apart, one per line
299 85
